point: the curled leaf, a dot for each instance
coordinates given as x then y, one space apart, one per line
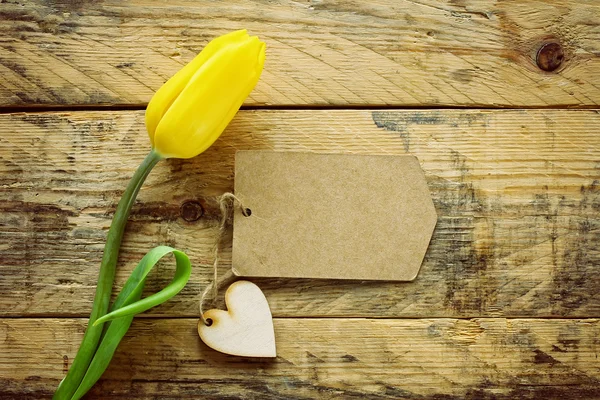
127 304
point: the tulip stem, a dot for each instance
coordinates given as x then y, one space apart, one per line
106 277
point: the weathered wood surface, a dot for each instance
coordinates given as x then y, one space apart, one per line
322 358
517 194
386 52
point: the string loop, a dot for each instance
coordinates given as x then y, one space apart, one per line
228 202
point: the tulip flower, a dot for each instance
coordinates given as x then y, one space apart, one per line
185 117
193 108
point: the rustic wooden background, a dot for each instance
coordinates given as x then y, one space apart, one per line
498 100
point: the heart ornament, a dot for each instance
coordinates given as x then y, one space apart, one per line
246 328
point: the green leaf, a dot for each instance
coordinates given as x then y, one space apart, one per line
127 304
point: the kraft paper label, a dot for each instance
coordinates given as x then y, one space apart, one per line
339 216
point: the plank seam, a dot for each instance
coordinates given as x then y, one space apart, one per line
137 107
150 317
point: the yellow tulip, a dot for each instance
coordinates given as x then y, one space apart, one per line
185 117
191 110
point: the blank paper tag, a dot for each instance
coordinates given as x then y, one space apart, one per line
334 216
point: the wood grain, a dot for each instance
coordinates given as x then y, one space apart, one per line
322 358
517 193
384 52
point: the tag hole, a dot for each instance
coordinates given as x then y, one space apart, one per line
247 212
209 322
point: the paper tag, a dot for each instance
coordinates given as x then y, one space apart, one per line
336 216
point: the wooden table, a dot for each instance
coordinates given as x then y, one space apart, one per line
507 302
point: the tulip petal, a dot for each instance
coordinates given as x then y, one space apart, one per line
210 100
164 97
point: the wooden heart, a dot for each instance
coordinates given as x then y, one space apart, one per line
246 329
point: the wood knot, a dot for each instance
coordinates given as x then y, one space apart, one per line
550 56
191 211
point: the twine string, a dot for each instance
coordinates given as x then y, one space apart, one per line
228 202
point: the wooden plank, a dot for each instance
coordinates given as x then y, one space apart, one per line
428 52
321 358
517 194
